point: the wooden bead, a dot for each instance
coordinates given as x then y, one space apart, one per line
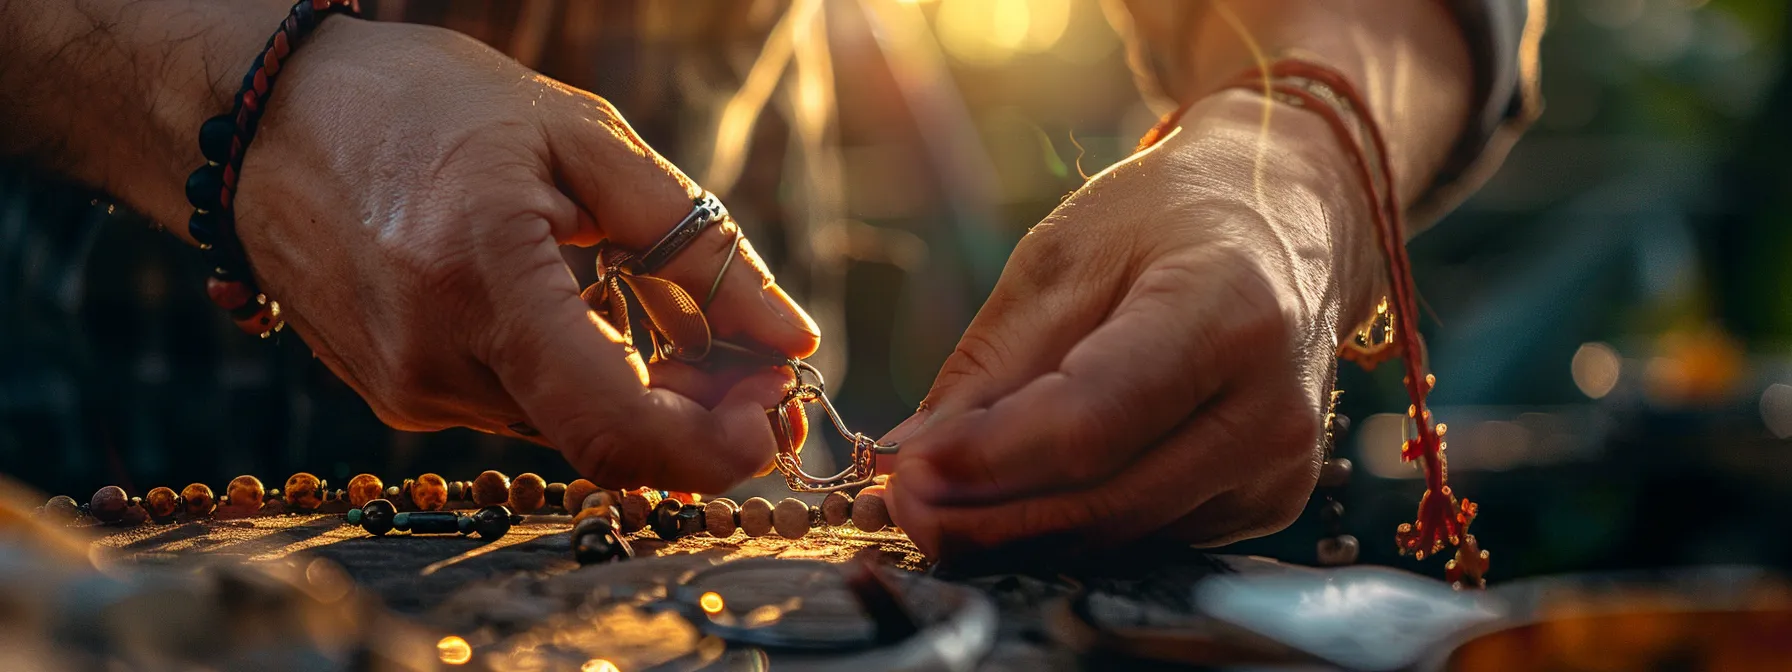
244 497
491 489
429 493
756 517
791 518
108 504
1338 551
196 500
1335 473
62 509
364 488
304 492
718 517
555 495
837 508
161 504
576 492
637 509
869 513
528 493
272 507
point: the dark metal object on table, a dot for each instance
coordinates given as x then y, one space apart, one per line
595 541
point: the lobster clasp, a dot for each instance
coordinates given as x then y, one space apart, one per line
862 466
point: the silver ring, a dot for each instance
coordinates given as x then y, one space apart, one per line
706 211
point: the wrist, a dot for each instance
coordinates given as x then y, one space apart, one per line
1313 210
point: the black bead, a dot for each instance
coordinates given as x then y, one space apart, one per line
215 138
205 186
691 520
491 522
434 522
594 541
377 515
1331 512
664 519
1340 428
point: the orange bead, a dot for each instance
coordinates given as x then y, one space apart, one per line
364 488
161 503
430 492
491 488
197 499
304 492
245 494
108 504
528 493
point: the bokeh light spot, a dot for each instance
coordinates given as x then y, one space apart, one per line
711 603
1596 367
1776 410
598 665
454 651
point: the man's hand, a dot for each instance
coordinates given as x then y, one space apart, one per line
1158 353
404 201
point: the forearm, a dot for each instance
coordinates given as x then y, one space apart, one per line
1407 57
111 93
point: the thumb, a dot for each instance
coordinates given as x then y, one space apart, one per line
633 197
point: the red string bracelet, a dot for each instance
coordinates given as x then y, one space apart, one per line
224 139
1442 520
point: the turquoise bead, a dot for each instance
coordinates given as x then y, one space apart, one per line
353 517
402 521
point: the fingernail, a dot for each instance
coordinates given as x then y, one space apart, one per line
908 428
785 308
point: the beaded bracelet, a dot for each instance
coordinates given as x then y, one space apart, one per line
224 139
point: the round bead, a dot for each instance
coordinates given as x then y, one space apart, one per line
364 488
304 492
598 512
1335 473
271 494
203 227
196 499
664 520
393 491
216 136
1337 551
791 518
402 520
161 504
637 509
594 541
837 508
244 496
491 489
457 491
62 509
576 492
1340 428
756 517
108 504
377 517
272 507
718 517
528 493
869 513
204 187
430 492
491 522
1331 513
555 495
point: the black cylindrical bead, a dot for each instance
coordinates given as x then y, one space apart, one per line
595 541
433 522
690 520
